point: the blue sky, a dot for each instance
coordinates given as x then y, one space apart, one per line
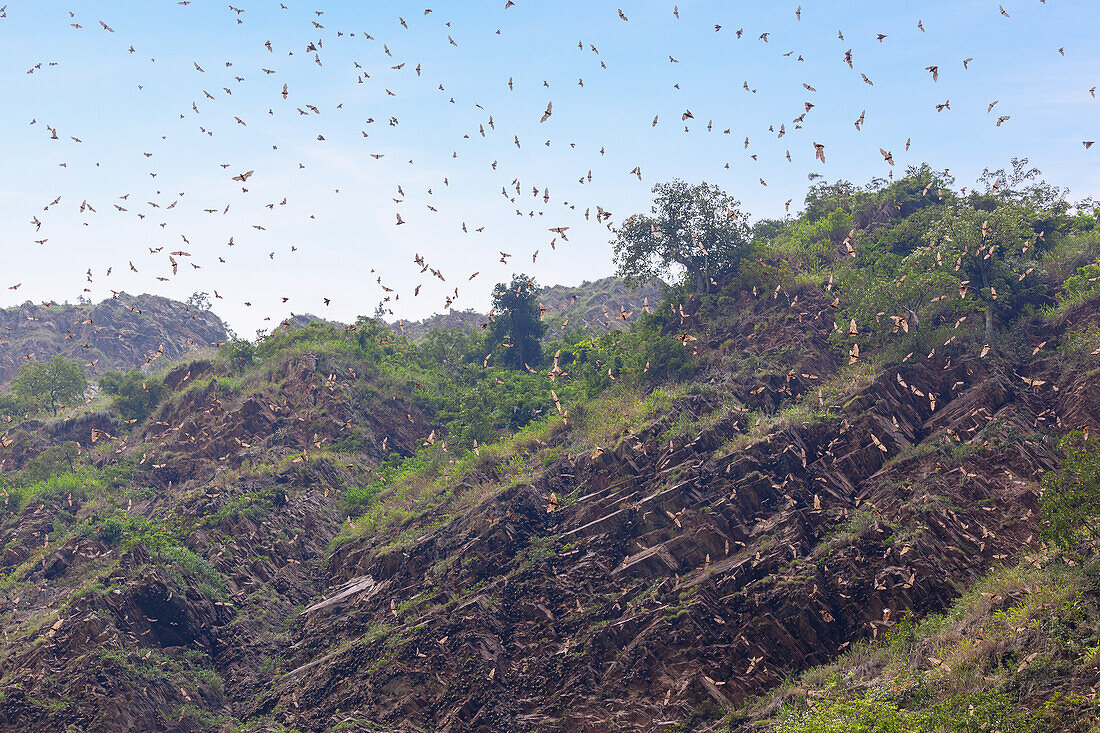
140 135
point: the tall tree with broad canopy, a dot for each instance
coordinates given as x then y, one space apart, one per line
992 251
699 229
515 337
50 383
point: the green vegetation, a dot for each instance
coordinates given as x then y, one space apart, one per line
700 229
53 488
54 460
909 266
1071 493
1016 654
758 337
435 482
49 384
515 335
135 394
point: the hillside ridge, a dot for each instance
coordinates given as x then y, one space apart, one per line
775 501
120 333
601 306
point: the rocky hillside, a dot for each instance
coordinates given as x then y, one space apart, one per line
755 510
117 334
644 563
601 306
695 558
1016 653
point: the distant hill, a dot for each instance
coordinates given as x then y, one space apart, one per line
119 333
602 305
301 320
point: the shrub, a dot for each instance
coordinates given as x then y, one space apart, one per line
135 394
240 354
52 461
1071 493
110 531
359 499
54 489
1084 284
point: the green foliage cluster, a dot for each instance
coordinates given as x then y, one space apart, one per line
52 489
249 504
517 328
164 539
1071 493
875 712
239 354
698 229
435 479
58 472
54 460
480 386
50 383
910 265
136 395
914 263
1082 285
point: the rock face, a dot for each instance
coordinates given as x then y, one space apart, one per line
121 333
674 573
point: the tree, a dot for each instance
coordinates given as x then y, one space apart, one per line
992 250
697 228
824 198
1071 493
920 188
199 301
53 382
450 348
806 245
239 353
54 460
515 336
136 395
893 295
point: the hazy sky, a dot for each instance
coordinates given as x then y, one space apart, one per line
156 130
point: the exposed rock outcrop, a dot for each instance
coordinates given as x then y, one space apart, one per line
120 333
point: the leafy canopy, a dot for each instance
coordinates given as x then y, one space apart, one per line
515 336
51 383
699 229
991 249
1071 493
135 393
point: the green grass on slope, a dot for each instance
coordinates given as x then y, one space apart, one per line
1019 653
